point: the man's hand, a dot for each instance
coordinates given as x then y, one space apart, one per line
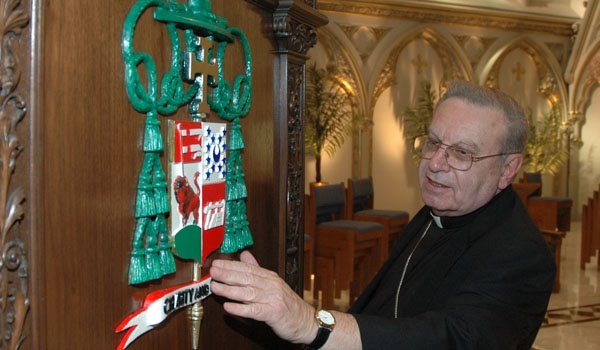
262 295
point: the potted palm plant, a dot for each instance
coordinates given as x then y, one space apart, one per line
416 120
545 152
328 114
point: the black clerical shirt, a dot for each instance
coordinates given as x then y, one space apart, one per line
422 259
481 282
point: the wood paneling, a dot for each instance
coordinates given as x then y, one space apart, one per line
89 159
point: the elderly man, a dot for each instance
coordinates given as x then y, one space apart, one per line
471 270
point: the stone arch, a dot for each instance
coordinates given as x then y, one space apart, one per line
455 65
338 51
586 81
543 89
549 83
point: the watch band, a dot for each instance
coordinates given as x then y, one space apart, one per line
326 323
321 339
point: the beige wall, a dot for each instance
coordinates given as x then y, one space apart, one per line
385 55
589 155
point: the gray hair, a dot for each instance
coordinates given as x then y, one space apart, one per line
515 139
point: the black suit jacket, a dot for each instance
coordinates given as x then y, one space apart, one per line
488 290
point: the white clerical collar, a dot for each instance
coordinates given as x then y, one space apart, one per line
437 220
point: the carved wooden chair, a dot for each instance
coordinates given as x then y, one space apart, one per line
551 215
309 258
548 213
356 249
360 198
590 229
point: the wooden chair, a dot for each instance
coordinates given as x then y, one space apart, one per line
551 215
356 248
554 240
528 186
548 213
360 198
590 229
309 260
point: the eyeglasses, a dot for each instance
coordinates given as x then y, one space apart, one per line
457 158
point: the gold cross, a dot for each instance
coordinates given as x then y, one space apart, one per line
419 63
518 71
197 67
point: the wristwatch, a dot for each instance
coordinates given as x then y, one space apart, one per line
326 323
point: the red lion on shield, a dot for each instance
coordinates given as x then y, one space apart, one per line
188 200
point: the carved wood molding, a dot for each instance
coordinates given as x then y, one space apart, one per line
14 270
293 25
294 233
430 13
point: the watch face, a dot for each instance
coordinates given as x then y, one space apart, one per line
326 317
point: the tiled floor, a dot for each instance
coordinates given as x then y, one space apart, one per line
573 321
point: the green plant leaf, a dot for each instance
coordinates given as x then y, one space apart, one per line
416 120
329 115
545 152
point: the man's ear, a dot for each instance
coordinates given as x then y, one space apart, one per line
510 169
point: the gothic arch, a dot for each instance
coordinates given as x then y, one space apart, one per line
337 49
455 65
383 64
585 82
542 90
549 84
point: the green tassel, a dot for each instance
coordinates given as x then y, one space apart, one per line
137 267
144 203
230 194
138 234
246 239
137 264
236 190
152 136
234 162
229 245
236 140
167 261
242 237
245 236
153 263
161 198
242 192
152 256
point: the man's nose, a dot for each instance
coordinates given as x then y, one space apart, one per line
439 161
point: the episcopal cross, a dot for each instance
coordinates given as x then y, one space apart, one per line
419 63
518 71
198 68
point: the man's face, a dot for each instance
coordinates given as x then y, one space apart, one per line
478 130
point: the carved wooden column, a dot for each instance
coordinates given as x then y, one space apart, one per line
294 23
16 154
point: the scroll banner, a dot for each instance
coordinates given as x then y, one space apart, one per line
159 305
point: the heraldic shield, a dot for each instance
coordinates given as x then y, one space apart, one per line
197 187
